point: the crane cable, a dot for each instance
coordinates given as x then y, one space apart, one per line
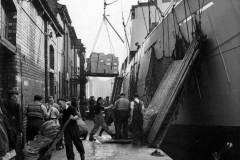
105 21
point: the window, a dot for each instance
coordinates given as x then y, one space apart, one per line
133 14
51 52
8 20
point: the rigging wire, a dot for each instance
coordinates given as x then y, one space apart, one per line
192 16
179 28
185 10
168 36
174 23
169 7
124 27
144 18
163 37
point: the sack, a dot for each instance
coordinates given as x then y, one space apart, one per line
50 128
32 149
82 127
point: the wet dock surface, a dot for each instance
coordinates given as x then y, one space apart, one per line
111 151
106 151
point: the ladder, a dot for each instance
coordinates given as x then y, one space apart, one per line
167 92
116 88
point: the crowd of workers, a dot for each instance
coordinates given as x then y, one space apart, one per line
126 116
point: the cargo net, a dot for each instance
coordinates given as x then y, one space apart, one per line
158 67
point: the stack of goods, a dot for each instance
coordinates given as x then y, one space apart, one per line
101 63
96 62
50 129
32 149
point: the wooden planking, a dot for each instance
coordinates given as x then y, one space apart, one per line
163 91
167 92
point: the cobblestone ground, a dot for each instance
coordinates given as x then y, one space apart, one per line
105 151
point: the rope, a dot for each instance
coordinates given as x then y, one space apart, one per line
109 38
98 33
128 18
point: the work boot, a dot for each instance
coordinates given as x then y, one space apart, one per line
91 138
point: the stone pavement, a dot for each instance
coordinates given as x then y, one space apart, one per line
106 151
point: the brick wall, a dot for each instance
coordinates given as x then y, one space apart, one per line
30 38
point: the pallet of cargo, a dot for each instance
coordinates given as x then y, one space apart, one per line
101 74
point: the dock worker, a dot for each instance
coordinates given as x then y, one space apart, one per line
91 105
53 110
122 114
99 120
71 132
136 119
109 116
36 114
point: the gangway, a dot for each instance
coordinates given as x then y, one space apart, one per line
162 108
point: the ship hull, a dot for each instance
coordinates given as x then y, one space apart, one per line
210 104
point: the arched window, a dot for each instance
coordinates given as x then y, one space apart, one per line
8 20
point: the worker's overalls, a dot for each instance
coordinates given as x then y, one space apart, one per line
137 123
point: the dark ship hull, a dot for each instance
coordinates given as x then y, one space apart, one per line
209 115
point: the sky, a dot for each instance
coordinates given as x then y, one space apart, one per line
86 18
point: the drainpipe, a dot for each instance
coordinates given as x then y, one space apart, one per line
64 64
46 58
